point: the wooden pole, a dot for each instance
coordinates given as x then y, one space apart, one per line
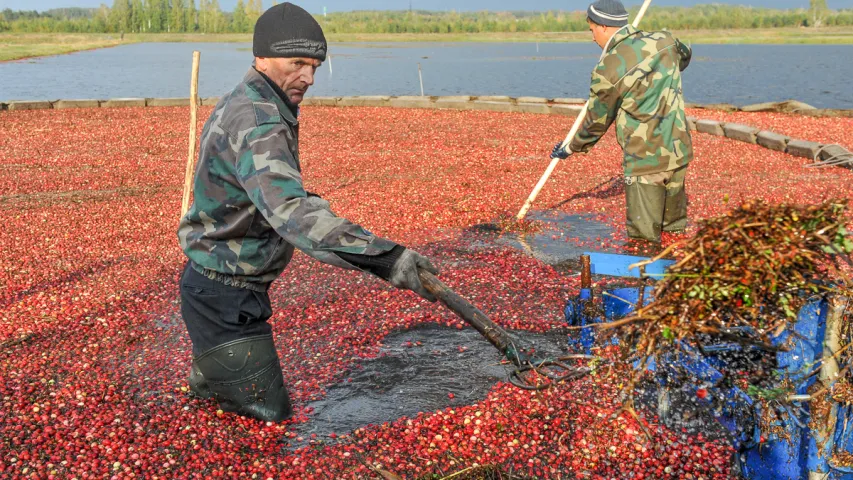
578 121
421 76
188 174
824 428
586 272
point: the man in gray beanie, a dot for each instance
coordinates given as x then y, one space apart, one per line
250 210
637 85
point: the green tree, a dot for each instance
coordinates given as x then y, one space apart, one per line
177 18
817 11
239 20
158 12
203 14
190 16
213 20
101 18
254 9
137 16
152 20
119 20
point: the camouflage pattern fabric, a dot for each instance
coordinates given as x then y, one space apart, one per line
661 179
637 84
250 208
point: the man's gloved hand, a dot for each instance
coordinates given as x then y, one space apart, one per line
404 273
560 151
318 201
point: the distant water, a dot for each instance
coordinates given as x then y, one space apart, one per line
740 74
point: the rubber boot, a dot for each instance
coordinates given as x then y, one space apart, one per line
645 208
198 385
245 377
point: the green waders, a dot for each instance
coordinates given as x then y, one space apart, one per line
656 202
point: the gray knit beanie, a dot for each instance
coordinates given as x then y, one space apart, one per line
286 30
610 13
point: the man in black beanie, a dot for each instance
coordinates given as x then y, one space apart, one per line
637 85
250 210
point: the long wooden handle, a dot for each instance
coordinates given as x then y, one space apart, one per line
641 13
575 127
551 166
496 335
188 173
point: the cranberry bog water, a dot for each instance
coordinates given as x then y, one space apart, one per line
94 356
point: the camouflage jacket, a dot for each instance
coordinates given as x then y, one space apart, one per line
250 208
637 84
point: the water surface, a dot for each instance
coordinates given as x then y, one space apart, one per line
738 74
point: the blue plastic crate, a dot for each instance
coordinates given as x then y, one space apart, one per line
774 458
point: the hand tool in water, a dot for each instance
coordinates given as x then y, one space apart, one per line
531 373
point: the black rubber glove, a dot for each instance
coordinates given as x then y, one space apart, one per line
404 273
560 151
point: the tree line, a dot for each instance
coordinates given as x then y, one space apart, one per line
175 16
138 16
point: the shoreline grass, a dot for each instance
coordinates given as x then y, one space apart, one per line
17 46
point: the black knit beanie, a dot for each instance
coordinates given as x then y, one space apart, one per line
286 30
610 13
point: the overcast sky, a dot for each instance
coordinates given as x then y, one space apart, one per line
316 6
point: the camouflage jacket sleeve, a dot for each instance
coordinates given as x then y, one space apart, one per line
268 171
604 102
